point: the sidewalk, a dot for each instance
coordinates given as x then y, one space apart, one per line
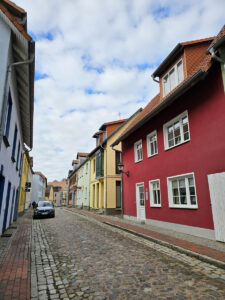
15 260
209 251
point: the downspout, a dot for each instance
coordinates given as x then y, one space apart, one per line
214 56
121 176
105 200
4 102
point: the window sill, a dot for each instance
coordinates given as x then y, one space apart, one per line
5 140
168 148
13 159
152 155
137 161
184 206
155 205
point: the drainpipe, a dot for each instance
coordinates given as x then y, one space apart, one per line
121 176
212 52
105 200
4 102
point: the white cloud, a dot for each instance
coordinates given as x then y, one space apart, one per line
100 46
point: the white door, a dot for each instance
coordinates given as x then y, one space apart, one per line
140 200
217 195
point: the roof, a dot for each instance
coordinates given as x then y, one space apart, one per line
75 161
157 104
115 131
23 50
112 123
82 154
175 53
219 39
61 184
97 133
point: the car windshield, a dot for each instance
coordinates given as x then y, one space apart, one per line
44 203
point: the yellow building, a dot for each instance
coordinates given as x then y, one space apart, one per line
105 186
24 175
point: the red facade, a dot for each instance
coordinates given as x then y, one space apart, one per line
204 154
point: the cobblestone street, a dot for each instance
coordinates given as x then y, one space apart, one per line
74 257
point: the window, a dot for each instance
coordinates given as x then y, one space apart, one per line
18 157
173 78
94 162
14 144
8 119
118 159
176 131
155 196
152 148
105 134
182 191
138 151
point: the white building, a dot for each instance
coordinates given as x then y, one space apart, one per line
17 51
39 184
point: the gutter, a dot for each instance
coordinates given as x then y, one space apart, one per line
181 90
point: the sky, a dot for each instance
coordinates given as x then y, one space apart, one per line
94 61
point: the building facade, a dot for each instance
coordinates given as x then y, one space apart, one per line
39 184
83 194
16 105
175 150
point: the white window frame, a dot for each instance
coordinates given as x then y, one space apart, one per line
170 192
168 124
176 78
135 151
151 134
152 204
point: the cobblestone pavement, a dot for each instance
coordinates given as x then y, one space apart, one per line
75 257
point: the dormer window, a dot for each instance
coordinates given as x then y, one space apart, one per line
173 78
97 140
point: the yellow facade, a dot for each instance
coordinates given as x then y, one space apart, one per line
22 195
103 190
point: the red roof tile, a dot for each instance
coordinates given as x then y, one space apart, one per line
82 154
220 35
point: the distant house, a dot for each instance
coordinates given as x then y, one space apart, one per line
39 184
83 184
73 178
105 185
16 105
174 150
56 192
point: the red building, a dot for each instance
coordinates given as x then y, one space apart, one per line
176 142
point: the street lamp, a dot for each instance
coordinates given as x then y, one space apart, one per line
120 168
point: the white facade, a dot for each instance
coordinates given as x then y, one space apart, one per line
38 188
83 191
16 109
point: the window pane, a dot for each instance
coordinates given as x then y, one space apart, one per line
175 192
152 148
171 143
155 197
192 190
166 85
181 183
183 200
176 200
186 136
191 181
180 73
174 184
159 199
172 79
193 200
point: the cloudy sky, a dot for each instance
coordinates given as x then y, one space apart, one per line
94 60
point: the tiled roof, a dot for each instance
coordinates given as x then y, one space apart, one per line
61 184
75 161
82 154
220 35
97 133
197 41
112 123
143 117
12 18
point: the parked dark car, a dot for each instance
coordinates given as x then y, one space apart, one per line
44 209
